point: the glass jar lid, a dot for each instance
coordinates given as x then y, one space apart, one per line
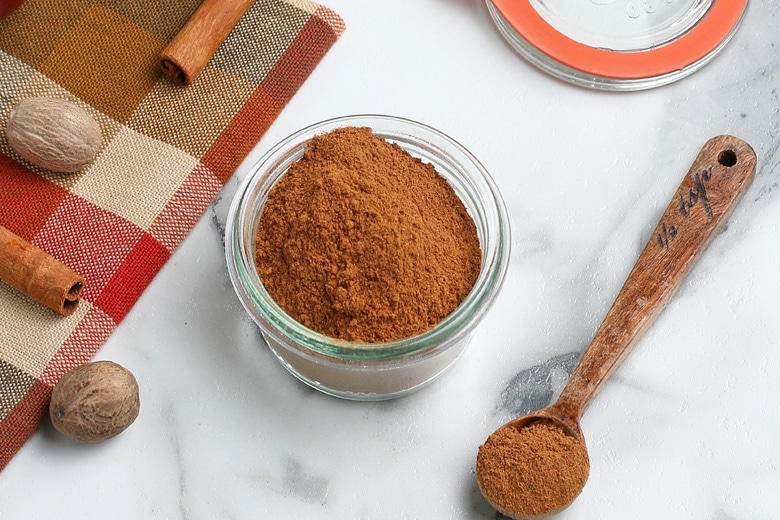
618 44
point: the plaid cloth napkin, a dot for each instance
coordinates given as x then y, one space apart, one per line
166 153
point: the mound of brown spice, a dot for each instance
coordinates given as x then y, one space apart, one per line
536 470
363 242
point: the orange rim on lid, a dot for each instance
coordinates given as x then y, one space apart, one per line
700 41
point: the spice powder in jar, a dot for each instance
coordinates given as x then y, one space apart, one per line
361 241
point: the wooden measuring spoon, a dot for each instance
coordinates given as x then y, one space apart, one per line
708 194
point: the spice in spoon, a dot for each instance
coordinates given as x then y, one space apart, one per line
361 241
530 471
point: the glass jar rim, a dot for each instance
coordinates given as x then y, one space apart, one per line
602 68
273 165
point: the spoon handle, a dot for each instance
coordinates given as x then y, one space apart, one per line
706 197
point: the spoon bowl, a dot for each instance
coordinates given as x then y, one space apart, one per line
517 485
556 414
548 470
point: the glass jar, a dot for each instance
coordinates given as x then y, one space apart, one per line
618 44
370 371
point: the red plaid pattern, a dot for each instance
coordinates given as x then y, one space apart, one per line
166 153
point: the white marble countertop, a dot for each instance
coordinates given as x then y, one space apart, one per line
685 429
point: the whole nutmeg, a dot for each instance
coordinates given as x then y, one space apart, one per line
53 133
94 402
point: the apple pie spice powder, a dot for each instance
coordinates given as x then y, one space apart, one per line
361 241
535 471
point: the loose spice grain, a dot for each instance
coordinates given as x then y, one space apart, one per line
535 471
363 242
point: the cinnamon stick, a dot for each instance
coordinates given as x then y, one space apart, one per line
38 274
194 45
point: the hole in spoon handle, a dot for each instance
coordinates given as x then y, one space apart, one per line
708 194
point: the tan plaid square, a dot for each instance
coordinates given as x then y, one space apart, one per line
186 118
12 80
15 385
304 5
164 19
259 52
27 351
135 176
